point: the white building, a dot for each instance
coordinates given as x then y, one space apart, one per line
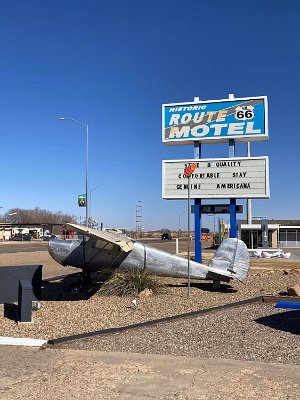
281 233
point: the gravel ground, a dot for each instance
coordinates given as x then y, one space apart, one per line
257 332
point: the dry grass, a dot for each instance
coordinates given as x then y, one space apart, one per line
129 282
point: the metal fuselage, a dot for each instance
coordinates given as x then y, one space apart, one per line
98 255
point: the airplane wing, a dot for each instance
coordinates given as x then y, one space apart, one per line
125 243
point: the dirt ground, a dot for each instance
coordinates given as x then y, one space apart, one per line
176 368
30 374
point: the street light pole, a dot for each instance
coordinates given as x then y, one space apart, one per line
97 187
179 226
86 166
87 178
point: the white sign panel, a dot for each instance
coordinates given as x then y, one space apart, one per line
244 119
222 178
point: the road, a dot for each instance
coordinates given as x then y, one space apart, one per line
38 245
165 245
17 247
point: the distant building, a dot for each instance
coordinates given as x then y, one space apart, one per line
7 231
281 233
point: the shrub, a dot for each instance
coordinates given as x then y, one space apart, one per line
129 282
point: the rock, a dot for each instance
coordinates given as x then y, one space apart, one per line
146 293
134 303
291 271
283 294
294 271
294 290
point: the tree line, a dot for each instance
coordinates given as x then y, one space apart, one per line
37 215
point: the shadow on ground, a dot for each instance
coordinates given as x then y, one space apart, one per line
58 289
287 321
10 311
205 286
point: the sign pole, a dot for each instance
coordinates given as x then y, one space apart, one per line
189 239
249 206
232 207
197 208
197 213
188 170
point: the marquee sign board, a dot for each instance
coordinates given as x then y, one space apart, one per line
215 121
222 178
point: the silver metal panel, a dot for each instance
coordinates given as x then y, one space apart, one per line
162 263
233 256
122 241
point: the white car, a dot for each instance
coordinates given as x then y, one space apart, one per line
49 236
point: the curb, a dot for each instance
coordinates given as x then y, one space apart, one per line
11 341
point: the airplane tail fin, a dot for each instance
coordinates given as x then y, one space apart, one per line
231 258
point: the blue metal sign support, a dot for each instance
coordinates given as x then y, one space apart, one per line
232 206
197 213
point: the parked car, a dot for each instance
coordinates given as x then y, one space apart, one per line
22 237
166 236
49 236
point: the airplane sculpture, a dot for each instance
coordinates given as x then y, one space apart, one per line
107 251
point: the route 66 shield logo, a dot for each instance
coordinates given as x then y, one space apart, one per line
244 113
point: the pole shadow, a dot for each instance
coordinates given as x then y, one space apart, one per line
205 286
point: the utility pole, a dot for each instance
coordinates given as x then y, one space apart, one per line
138 219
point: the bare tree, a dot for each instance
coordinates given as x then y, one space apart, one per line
38 216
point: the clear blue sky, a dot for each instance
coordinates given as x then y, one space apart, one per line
112 64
